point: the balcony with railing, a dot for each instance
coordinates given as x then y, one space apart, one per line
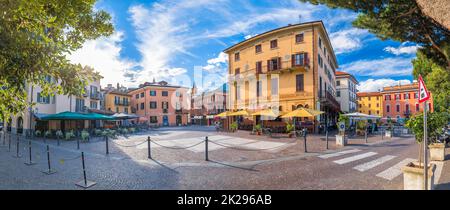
276 66
328 99
121 103
96 96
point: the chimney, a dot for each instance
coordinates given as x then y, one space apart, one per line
118 86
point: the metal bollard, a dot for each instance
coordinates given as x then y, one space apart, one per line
149 148
304 136
4 139
107 145
17 149
49 171
206 149
84 183
29 153
9 143
365 136
78 144
326 137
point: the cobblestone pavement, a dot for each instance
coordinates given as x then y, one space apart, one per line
233 162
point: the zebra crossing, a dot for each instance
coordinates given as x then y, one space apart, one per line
390 171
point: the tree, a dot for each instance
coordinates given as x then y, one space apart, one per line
437 80
399 20
35 38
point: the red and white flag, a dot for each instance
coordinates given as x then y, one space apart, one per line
424 95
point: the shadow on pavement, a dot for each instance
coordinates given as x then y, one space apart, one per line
232 166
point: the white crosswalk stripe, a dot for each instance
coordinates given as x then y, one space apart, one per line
354 158
395 170
336 154
373 163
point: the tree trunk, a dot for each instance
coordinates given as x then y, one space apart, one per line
436 10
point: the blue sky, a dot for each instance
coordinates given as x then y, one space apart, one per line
174 40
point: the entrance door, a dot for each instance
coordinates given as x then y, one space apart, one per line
178 120
165 120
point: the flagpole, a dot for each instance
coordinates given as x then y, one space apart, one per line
425 147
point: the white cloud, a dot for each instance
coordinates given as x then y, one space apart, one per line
250 36
347 40
373 85
245 22
218 64
402 49
103 55
379 67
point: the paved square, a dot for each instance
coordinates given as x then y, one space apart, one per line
217 142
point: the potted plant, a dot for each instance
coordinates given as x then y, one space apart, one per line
361 127
97 132
59 134
413 172
289 129
69 135
47 134
341 138
234 126
84 136
389 128
258 129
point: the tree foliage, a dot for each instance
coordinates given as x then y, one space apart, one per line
35 38
435 122
437 80
399 20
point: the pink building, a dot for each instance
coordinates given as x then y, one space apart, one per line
158 103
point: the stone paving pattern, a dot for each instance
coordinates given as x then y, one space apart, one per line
129 168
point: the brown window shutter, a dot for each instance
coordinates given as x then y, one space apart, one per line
293 60
279 63
268 66
306 61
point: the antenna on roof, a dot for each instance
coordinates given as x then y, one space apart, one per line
299 18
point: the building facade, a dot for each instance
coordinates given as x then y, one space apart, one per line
346 91
370 103
117 100
284 69
402 101
160 104
207 104
29 120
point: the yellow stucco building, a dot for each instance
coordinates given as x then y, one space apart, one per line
284 69
118 101
370 103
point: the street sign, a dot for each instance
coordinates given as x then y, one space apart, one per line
424 95
341 126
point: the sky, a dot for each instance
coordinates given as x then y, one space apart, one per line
181 41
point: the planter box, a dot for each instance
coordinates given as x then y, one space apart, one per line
341 140
413 177
388 134
437 151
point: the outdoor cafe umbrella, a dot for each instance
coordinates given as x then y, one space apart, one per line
240 113
224 114
124 116
302 112
266 113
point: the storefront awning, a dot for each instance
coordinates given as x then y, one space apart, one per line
76 116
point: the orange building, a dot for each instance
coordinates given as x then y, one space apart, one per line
370 103
402 101
160 104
